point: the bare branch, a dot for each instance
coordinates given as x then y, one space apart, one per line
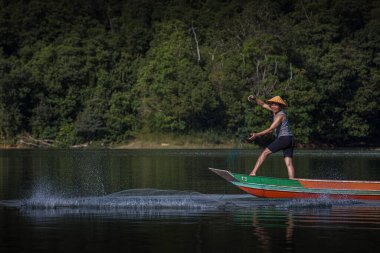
264 73
275 68
43 142
108 12
213 53
291 71
257 69
304 10
28 143
290 78
196 41
242 55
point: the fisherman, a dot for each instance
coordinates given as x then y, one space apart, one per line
284 136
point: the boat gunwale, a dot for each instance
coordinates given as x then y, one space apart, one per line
338 181
307 179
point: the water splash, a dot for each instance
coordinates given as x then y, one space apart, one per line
128 199
131 204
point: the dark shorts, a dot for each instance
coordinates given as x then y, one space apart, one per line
284 143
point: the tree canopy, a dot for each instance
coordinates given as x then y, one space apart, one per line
83 70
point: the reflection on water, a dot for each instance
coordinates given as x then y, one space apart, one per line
246 210
168 201
280 225
276 225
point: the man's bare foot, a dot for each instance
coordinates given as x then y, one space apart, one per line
252 174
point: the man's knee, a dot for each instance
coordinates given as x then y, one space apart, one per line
267 152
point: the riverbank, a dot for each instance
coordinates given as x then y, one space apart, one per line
140 144
146 141
169 141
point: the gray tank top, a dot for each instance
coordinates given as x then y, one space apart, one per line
283 129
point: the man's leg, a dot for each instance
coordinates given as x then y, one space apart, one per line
260 161
289 165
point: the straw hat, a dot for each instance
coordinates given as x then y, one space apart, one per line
278 100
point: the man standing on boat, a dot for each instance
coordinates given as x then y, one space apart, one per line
284 136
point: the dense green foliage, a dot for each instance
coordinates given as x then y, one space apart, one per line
83 70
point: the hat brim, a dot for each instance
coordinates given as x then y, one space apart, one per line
276 102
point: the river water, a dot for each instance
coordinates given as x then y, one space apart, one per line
168 201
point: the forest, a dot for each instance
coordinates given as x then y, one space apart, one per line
75 71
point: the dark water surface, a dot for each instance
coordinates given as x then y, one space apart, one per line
168 201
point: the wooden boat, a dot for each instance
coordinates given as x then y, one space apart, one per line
267 187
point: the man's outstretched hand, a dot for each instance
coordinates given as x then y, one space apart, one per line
252 137
251 98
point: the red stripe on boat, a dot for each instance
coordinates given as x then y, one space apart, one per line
286 194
